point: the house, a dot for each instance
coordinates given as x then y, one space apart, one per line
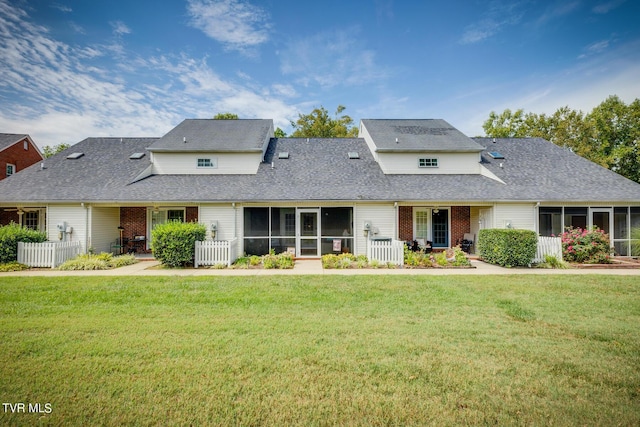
17 152
400 179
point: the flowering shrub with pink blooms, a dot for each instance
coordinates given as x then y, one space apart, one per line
586 246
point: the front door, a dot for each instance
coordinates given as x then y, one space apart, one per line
601 218
308 233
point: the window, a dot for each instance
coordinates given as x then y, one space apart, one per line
207 163
11 169
26 145
31 220
550 221
428 163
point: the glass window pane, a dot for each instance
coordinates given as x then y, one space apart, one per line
283 221
256 246
422 225
256 222
175 215
550 221
440 227
575 217
620 216
280 245
621 248
337 221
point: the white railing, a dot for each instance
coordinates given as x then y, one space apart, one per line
213 252
47 254
386 252
548 246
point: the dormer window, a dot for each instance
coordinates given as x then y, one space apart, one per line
208 163
430 162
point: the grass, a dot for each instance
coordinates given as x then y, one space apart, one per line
307 350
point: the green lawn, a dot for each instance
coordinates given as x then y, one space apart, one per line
306 350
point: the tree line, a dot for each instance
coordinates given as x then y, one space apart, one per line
609 135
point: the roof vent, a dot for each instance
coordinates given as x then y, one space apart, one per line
354 155
74 156
283 155
136 156
496 155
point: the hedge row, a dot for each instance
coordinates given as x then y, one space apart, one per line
10 235
174 243
507 247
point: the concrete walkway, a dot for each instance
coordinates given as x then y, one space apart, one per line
153 268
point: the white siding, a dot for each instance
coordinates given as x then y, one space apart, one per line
76 217
186 163
520 215
104 227
383 220
448 163
224 216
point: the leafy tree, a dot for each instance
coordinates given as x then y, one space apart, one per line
319 124
609 135
49 151
279 133
225 116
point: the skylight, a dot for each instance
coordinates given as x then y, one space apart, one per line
74 156
136 156
354 155
496 155
283 155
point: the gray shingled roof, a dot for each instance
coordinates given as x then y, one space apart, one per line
418 135
538 170
318 169
216 135
8 139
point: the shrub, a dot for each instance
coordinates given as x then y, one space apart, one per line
507 247
281 261
635 241
13 266
10 235
586 246
173 243
102 261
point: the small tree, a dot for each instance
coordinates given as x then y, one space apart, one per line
225 116
173 243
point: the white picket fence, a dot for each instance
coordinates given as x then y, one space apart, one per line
386 252
47 254
212 252
548 246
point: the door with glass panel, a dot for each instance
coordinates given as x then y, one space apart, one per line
308 233
601 218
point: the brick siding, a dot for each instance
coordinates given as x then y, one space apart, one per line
18 156
460 222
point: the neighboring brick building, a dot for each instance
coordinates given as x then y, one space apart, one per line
17 152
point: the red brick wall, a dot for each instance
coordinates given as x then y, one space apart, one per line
18 156
134 221
405 223
7 217
460 222
192 214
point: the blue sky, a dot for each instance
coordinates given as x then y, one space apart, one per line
74 69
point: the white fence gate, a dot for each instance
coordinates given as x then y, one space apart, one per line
47 254
212 252
548 246
386 251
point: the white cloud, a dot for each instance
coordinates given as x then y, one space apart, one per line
61 93
119 28
237 24
497 16
607 7
330 59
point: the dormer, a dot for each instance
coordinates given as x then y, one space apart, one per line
421 146
212 147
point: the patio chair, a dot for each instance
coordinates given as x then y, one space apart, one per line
467 242
116 247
